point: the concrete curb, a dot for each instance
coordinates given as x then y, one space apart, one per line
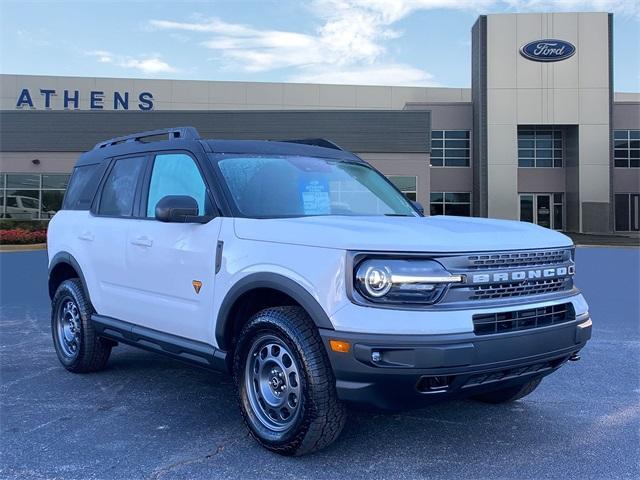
23 248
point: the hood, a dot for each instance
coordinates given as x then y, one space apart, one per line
402 234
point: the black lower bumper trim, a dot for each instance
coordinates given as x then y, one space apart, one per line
405 371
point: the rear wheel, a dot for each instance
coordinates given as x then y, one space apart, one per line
509 394
285 384
78 347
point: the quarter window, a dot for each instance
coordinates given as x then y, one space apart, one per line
450 148
540 147
406 184
176 174
626 148
120 186
451 203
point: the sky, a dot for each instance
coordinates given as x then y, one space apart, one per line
375 42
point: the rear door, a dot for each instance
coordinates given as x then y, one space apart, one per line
105 233
171 266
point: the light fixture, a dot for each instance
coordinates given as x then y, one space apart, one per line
402 281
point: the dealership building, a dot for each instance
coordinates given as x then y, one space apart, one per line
540 136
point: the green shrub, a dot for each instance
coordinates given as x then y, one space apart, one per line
29 225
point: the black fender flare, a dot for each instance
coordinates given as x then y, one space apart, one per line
276 282
67 258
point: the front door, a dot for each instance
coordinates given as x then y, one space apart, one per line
627 212
634 214
172 265
544 209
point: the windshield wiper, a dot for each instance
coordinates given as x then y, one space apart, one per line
397 215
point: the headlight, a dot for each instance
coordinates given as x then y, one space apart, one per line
396 281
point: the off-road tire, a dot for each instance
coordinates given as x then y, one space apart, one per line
322 415
92 352
509 394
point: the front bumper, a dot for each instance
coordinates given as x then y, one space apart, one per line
415 370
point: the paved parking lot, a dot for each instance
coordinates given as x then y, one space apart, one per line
149 417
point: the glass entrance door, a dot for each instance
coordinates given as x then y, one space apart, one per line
544 209
627 212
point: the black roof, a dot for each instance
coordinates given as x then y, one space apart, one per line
270 147
182 136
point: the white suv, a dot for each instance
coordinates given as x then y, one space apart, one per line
305 273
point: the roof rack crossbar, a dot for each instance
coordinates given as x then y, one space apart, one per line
173 133
318 142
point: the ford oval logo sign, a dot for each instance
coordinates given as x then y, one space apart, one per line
549 50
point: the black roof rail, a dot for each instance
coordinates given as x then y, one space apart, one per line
175 133
317 142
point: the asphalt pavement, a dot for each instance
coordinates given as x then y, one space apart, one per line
149 417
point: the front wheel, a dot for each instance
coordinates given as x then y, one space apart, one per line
285 384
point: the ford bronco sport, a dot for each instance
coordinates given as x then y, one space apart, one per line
301 270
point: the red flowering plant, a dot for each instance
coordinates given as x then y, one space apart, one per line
21 236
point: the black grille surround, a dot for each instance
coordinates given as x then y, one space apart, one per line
512 321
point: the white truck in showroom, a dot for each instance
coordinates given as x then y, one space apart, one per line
302 271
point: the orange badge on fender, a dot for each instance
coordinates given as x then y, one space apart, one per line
197 285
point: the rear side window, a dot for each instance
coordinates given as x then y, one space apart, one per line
82 187
119 188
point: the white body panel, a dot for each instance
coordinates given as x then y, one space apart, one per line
402 234
150 284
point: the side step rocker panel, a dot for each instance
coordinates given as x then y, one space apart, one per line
180 348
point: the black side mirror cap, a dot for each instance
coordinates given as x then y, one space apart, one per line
177 209
418 206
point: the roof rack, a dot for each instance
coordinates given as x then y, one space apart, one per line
173 133
317 142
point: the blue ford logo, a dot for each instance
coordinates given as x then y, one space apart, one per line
549 50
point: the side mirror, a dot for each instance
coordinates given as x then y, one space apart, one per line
418 206
177 209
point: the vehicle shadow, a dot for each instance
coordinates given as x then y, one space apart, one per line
458 431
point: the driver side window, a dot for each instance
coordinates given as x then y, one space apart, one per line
176 174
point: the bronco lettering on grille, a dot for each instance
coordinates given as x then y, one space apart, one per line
521 275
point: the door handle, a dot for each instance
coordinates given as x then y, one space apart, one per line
142 241
86 235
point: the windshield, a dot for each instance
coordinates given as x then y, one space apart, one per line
290 186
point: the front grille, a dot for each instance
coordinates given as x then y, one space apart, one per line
502 322
517 289
518 259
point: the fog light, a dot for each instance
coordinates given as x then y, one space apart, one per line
376 356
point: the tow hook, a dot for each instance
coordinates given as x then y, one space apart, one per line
574 357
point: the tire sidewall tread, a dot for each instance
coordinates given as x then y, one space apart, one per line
93 352
322 414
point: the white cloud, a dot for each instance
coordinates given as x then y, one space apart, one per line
350 43
347 48
146 64
377 74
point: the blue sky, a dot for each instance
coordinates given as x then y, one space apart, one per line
383 42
